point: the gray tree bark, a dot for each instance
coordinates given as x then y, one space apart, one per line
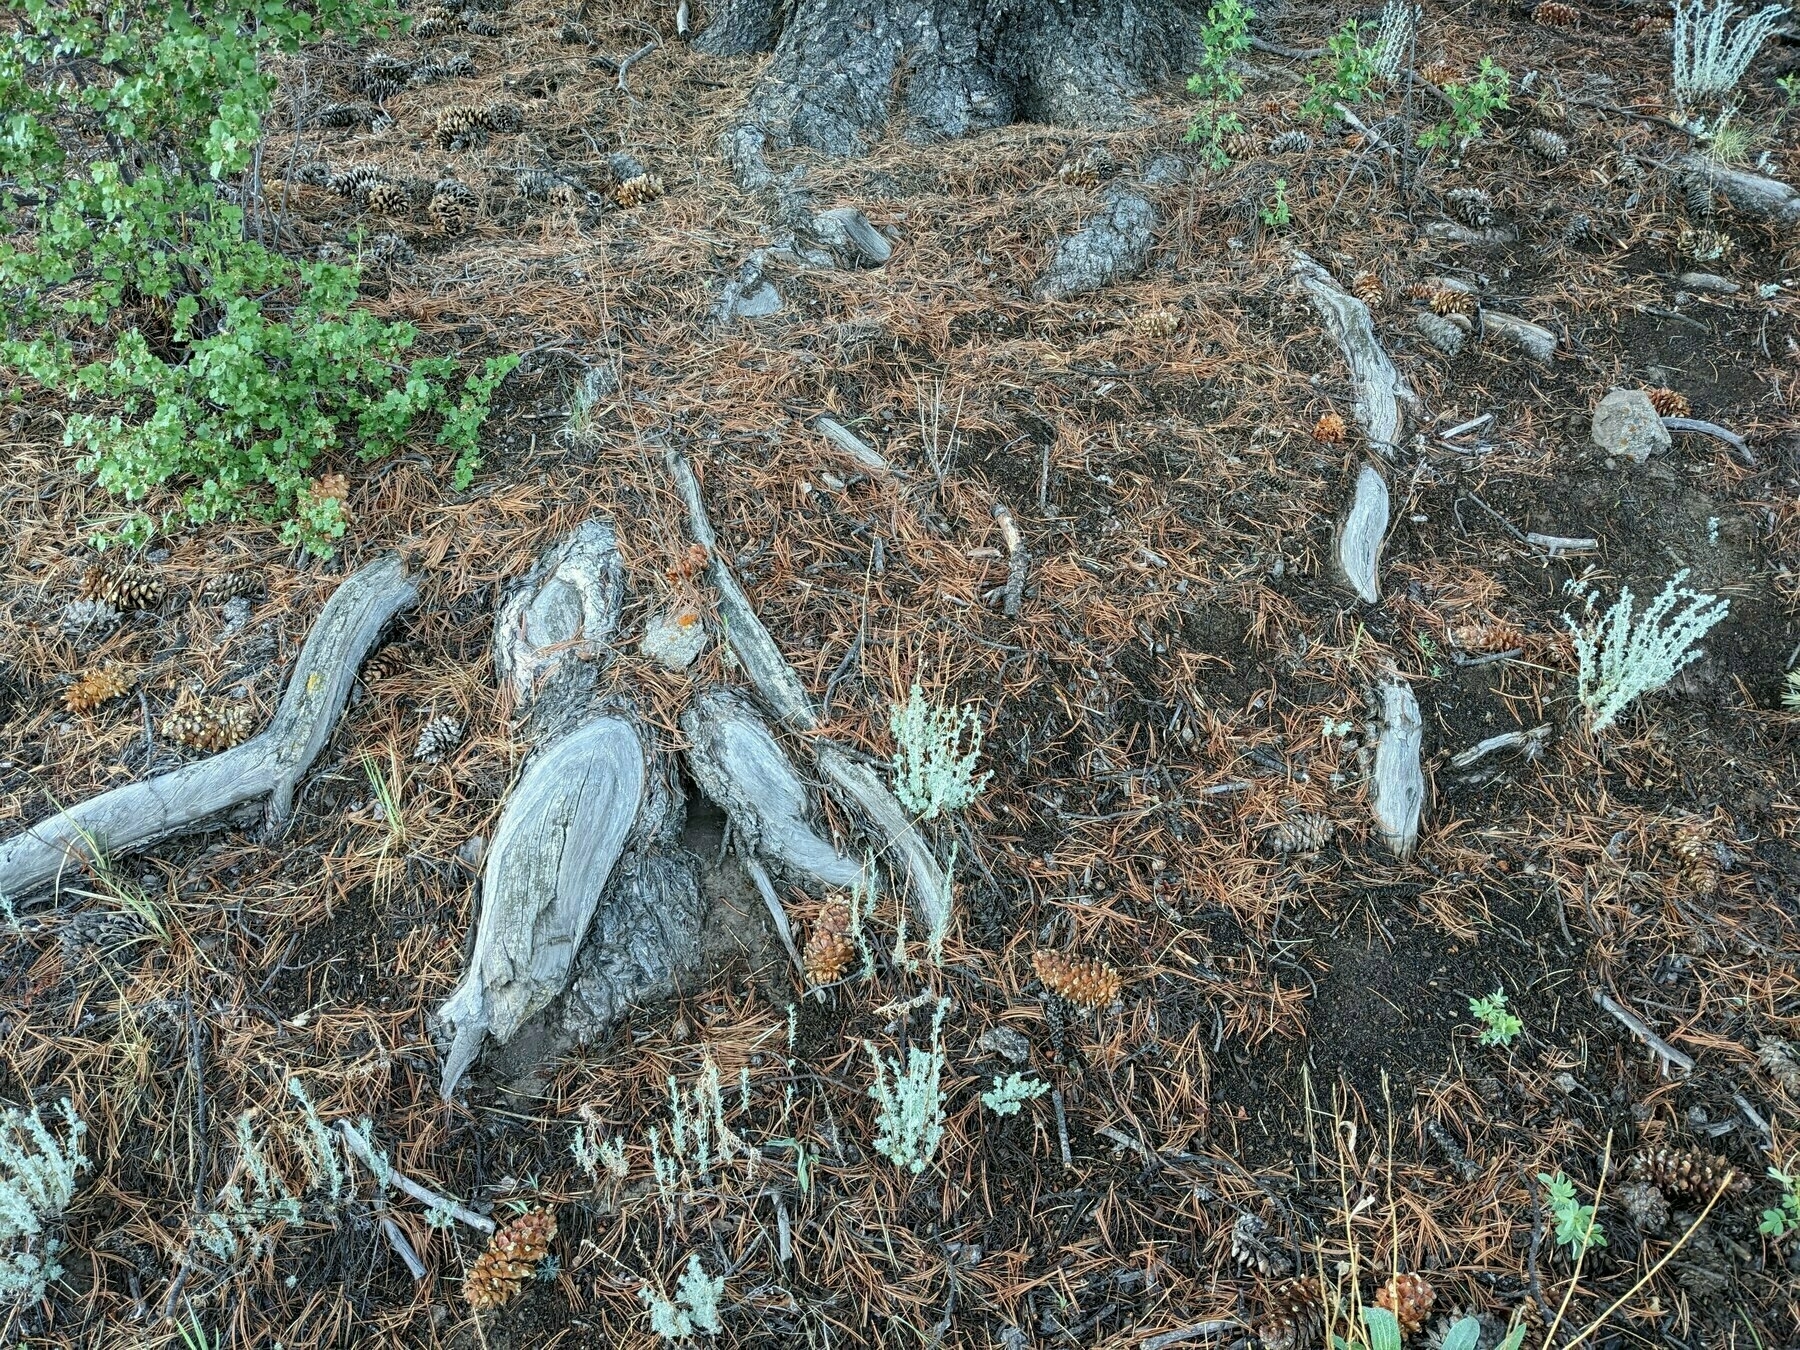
957 66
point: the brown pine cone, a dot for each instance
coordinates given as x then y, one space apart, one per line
247 582
1450 300
388 199
1439 73
1699 862
499 115
1087 985
1300 836
1409 1298
1293 1315
213 727
1251 1248
94 687
512 1254
455 127
1646 25
1644 1205
1679 1171
1668 403
1553 14
435 21
1367 287
646 187
829 950
1329 429
452 207
123 585
1550 146
1781 1061
1157 323
1241 145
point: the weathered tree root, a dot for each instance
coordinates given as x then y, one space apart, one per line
268 766
1765 198
1380 390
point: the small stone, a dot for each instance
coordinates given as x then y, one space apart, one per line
1010 1045
1626 423
674 640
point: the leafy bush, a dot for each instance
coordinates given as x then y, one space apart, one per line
1223 38
1472 104
1576 1227
132 279
1348 76
932 772
1500 1027
1627 654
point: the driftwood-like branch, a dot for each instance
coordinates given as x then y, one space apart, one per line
386 1173
1018 561
1717 432
269 766
1360 533
1536 341
1636 1025
780 688
842 438
1767 198
738 764
1397 788
567 607
1379 388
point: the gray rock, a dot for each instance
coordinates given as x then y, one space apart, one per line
1010 1045
1113 247
1166 170
671 643
750 296
1626 423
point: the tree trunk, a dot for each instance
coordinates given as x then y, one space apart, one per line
955 66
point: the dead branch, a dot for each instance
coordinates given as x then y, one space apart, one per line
1018 561
1379 388
1360 533
1397 787
269 766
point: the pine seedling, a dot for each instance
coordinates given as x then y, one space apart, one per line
1499 1027
1627 654
933 774
1577 1228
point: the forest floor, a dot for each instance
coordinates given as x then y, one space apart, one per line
1294 1053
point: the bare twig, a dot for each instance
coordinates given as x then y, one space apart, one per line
1717 432
392 1176
1667 1053
1018 561
630 61
777 913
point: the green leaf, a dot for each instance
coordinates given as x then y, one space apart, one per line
1384 1329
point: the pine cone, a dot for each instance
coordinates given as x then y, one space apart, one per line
1329 429
1299 836
1704 245
1290 143
358 182
1697 196
1682 1171
435 21
1694 852
213 727
452 207
123 585
1474 206
92 688
500 116
388 251
394 659
1578 229
456 127
1251 1248
1668 403
381 76
1409 1298
1367 287
1550 146
1451 300
1241 145
479 25
1293 1315
346 115
1440 333
1087 985
1439 73
247 582
646 187
538 185
1644 1205
829 950
387 199
512 1254
1781 1061
1555 15
440 737
1157 323
1649 24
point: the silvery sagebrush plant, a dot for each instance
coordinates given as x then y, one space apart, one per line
910 1117
933 773
1707 63
37 1181
1625 654
695 1306
1010 1093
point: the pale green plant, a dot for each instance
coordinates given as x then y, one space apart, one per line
1012 1092
933 771
1626 654
910 1117
1577 1228
37 1182
594 1155
1790 693
1499 1026
1709 57
695 1307
258 1200
1784 1218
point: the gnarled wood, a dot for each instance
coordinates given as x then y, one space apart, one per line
1767 198
1360 533
558 626
1397 786
270 765
1379 389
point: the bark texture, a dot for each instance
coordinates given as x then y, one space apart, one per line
955 66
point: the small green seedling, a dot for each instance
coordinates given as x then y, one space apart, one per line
1577 1228
1275 213
1500 1027
1785 1217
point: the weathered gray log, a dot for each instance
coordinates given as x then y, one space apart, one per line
567 607
1360 533
1767 198
738 764
781 689
1379 388
1536 341
268 766
1397 784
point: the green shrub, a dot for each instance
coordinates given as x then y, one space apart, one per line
1472 104
1576 1227
1223 37
224 370
1348 75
